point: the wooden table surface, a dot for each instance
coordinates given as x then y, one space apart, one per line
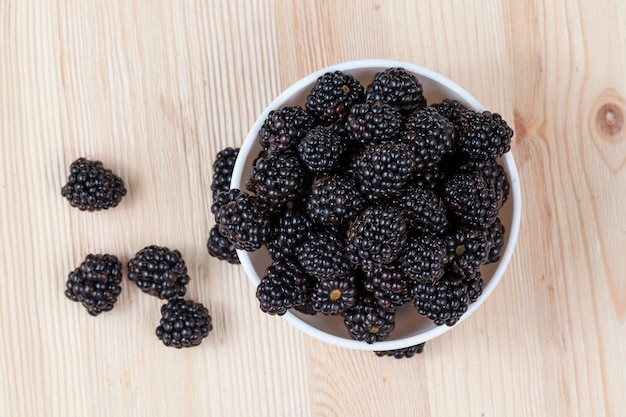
155 89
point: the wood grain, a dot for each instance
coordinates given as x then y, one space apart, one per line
156 89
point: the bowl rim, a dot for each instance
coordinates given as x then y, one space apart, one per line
507 160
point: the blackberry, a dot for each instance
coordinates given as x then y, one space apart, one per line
322 255
223 198
471 200
184 323
283 286
495 237
92 187
450 109
243 221
321 150
483 135
332 297
334 200
443 301
374 123
389 285
332 97
159 271
430 137
368 322
376 236
424 257
383 170
223 170
424 210
397 87
491 171
474 284
95 283
288 229
468 249
220 247
284 128
277 179
407 352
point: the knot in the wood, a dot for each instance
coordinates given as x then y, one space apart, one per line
610 119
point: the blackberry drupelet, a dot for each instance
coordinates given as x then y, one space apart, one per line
376 236
483 135
283 286
288 229
468 249
243 221
332 297
220 247
443 301
321 150
424 257
397 87
474 284
95 283
184 323
495 236
223 170
471 200
491 171
332 97
92 187
407 352
284 128
430 136
383 170
159 271
334 200
450 109
424 210
368 322
373 122
322 255
277 179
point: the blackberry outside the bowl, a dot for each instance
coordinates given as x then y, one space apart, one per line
95 283
403 353
92 187
184 323
159 271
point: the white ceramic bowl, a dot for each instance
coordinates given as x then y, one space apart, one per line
411 328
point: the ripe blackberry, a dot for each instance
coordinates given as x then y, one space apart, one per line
424 210
468 249
373 122
288 229
443 301
471 200
430 137
368 322
223 198
322 255
332 297
243 221
159 271
91 187
491 171
389 285
220 247
383 170
334 200
332 97
284 128
474 284
424 257
376 236
223 170
495 237
95 283
397 87
184 323
483 135
407 352
283 286
277 179
321 150
450 109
